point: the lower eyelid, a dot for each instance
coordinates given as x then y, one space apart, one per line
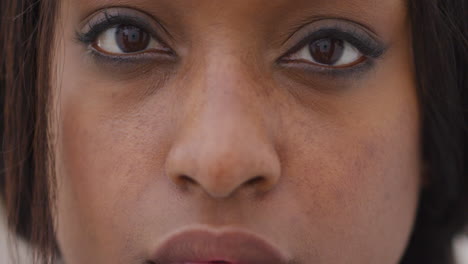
149 53
314 70
133 58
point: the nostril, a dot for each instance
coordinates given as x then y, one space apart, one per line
184 182
187 179
257 180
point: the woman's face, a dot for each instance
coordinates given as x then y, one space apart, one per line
294 121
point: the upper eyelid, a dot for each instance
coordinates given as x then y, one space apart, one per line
107 9
105 18
103 24
342 23
371 48
353 33
337 20
349 32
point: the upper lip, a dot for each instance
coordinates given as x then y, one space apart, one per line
206 245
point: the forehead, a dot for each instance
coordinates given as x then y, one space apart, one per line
383 16
254 8
238 3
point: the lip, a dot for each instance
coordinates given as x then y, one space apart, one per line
204 245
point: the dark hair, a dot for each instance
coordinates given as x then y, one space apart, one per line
440 48
25 39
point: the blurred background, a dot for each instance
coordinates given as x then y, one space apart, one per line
6 246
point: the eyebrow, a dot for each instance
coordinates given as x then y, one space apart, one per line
180 6
293 13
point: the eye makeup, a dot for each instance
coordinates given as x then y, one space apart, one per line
368 45
112 17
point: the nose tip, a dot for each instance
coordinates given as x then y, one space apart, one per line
222 173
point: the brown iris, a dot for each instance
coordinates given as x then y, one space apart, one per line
131 39
327 51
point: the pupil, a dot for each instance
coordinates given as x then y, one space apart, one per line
131 39
327 51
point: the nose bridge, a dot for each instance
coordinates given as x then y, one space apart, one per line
226 100
230 99
223 143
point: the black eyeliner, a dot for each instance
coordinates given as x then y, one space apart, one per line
111 20
356 71
365 44
130 59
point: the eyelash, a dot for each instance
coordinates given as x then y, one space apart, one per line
369 47
109 21
364 44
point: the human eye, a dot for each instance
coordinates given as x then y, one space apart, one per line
332 49
123 34
329 52
125 39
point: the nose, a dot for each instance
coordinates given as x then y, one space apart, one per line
223 146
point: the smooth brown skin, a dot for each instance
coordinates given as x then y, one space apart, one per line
338 155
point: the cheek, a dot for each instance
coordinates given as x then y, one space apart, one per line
105 162
85 192
355 186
